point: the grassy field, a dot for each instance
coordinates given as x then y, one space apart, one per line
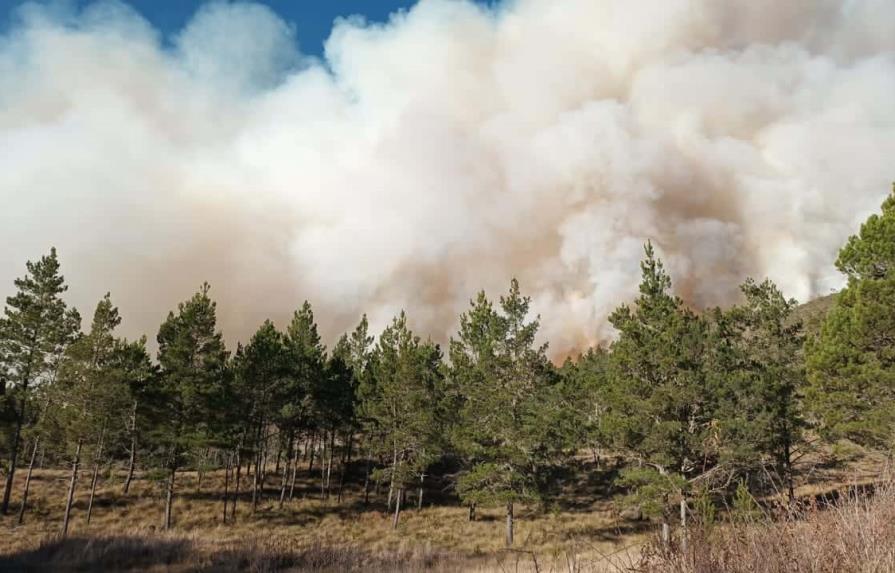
304 531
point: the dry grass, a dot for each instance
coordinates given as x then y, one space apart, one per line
828 534
852 532
305 534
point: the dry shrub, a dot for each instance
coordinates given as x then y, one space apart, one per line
854 532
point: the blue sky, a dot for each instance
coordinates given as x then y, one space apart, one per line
312 18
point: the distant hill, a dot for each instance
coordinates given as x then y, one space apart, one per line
813 312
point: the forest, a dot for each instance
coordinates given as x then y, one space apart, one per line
693 410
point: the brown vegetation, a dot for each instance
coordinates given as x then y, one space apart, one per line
306 534
851 532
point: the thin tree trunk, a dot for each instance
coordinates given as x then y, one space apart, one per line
17 437
391 487
472 511
71 489
307 448
13 458
397 509
510 524
238 476
346 465
367 478
787 467
329 465
96 461
323 454
313 451
295 462
255 482
419 502
262 473
133 454
284 480
28 481
169 497
684 526
227 484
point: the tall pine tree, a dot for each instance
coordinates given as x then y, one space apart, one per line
193 364
506 392
851 364
35 330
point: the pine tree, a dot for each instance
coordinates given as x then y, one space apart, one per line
585 389
135 368
662 407
262 369
35 330
851 364
308 359
758 382
506 391
89 393
193 364
656 365
404 405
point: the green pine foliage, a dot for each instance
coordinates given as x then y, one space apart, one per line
851 363
36 328
403 405
509 404
663 409
191 384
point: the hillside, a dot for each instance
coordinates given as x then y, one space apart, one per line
813 312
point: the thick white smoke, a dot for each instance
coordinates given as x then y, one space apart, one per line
444 152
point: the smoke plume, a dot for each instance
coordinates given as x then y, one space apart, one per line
443 152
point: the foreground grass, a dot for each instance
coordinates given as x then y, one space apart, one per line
853 532
306 533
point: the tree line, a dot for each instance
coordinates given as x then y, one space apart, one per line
694 401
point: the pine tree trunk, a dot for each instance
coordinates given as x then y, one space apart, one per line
133 454
71 489
284 479
419 502
509 524
96 461
367 479
323 453
17 436
329 465
13 458
397 509
238 476
262 471
391 487
313 451
295 463
169 497
472 511
787 468
346 465
227 484
28 481
255 482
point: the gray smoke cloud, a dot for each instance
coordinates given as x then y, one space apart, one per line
444 152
